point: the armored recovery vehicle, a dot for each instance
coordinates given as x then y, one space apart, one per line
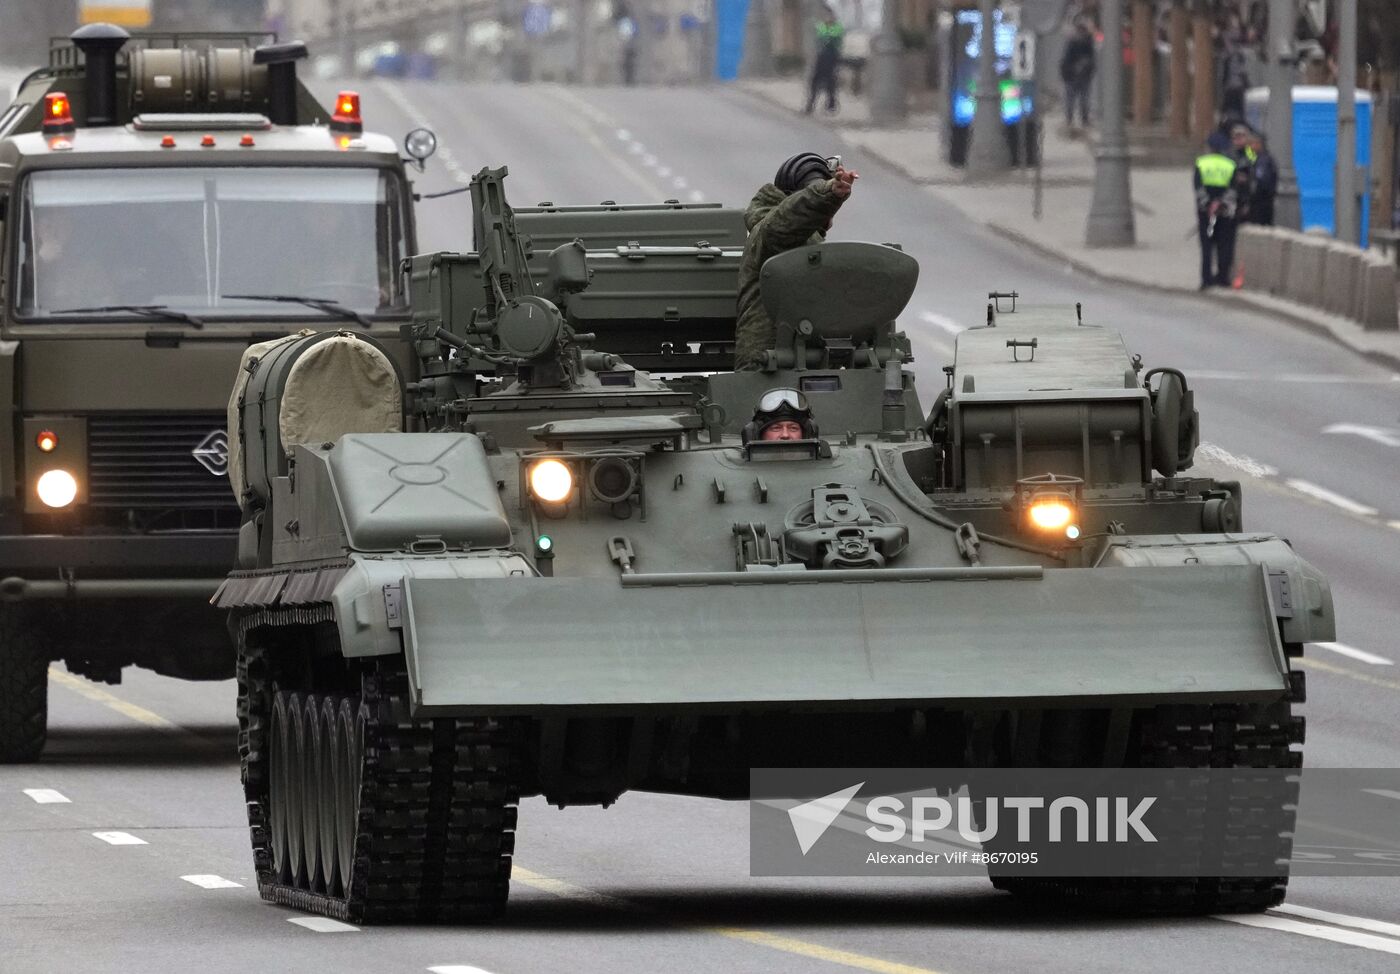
165 201
573 578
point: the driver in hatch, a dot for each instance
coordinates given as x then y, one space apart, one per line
782 414
794 210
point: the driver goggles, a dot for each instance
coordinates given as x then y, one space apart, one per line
775 399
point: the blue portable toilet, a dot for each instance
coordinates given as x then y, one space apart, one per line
730 19
1315 150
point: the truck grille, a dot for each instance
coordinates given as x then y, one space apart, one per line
148 461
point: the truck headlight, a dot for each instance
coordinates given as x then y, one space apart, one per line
57 488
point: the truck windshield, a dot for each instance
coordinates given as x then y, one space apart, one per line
185 239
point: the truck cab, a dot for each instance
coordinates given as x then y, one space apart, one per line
165 201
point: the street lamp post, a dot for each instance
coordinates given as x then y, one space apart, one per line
1282 63
1348 212
887 102
989 152
1110 221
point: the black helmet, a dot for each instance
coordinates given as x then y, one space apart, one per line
776 404
801 169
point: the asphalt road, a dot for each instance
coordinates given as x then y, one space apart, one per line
659 882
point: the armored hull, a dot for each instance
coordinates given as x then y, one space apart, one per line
575 579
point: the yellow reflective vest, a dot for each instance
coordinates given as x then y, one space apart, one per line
1216 171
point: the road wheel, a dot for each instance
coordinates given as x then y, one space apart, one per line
312 775
350 759
296 788
280 732
24 691
328 795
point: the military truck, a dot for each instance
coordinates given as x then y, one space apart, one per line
582 577
165 201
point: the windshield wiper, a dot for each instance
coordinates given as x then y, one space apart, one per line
153 310
324 305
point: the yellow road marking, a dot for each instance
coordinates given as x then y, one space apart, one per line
95 693
1375 681
758 938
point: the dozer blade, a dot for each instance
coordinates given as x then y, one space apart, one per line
1066 637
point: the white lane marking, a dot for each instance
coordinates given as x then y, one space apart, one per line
624 135
1394 524
119 838
1236 461
1341 919
47 796
212 882
649 161
1376 434
1384 793
696 196
1270 922
1358 654
1331 497
1321 378
679 182
323 925
664 172
942 321
457 969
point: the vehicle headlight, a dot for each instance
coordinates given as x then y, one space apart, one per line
551 481
57 488
1051 512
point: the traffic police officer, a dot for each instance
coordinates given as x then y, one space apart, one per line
1217 203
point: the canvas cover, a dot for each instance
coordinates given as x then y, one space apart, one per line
337 385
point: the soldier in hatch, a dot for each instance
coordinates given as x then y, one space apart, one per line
795 209
782 414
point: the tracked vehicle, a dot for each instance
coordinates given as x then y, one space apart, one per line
165 201
542 569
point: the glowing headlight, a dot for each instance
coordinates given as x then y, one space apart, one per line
551 481
1054 513
57 488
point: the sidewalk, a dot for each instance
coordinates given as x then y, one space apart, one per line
1166 257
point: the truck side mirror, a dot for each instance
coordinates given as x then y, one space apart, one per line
420 144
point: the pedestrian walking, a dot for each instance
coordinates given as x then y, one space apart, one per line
1077 72
1217 203
1234 81
830 34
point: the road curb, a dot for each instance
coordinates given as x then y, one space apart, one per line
1295 316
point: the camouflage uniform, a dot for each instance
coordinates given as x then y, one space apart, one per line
776 221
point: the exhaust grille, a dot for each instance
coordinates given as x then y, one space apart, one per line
143 461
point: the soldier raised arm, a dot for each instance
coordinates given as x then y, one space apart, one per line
795 209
